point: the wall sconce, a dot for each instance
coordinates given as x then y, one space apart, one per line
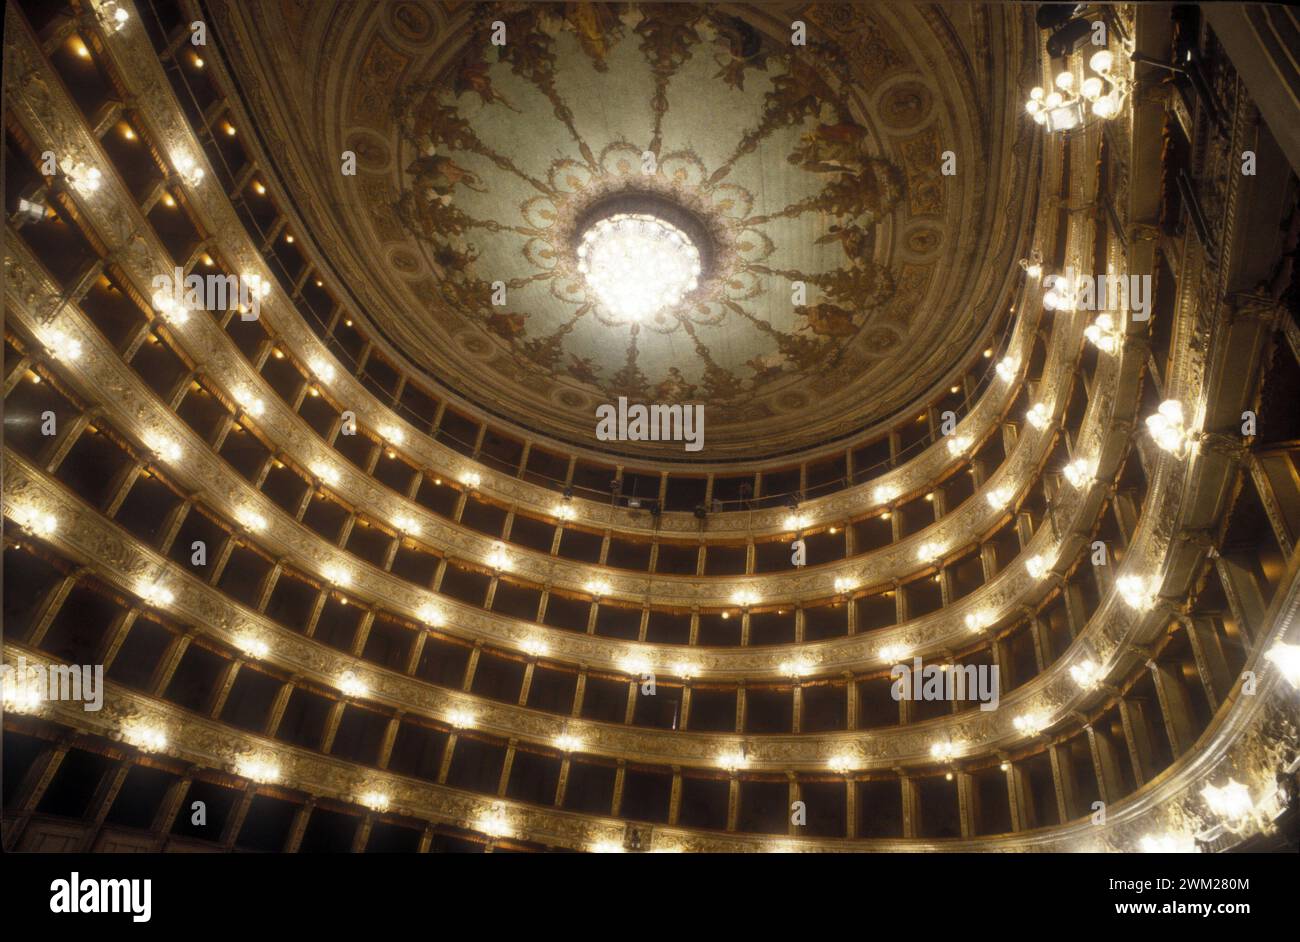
1007 367
1033 265
1169 429
1079 472
943 751
567 742
1060 294
999 497
1286 658
1104 334
83 178
1138 591
189 170
1086 674
1039 415
1037 566
1030 724
841 764
352 686
929 552
460 718
733 760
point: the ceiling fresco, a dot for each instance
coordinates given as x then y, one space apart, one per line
842 280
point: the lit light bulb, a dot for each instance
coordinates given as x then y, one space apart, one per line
929 552
685 670
460 718
1286 658
337 574
352 686
744 598
565 511
250 519
1168 429
375 801
1091 88
841 764
321 369
796 521
637 665
598 587
158 595
999 497
188 169
1039 415
733 760
1079 472
1103 334
884 494
892 653
471 478
978 621
1030 724
146 737
391 433
249 402
535 646
1101 61
1231 802
252 646
407 524
1065 81
797 667
1037 566
431 615
1086 674
844 584
957 444
1137 591
1167 844
1007 368
943 751
325 472
259 769
1106 107
567 742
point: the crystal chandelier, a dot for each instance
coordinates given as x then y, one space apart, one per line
638 265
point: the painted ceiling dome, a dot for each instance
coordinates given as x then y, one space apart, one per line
817 192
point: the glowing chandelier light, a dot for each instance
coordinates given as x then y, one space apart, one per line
1069 105
637 265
